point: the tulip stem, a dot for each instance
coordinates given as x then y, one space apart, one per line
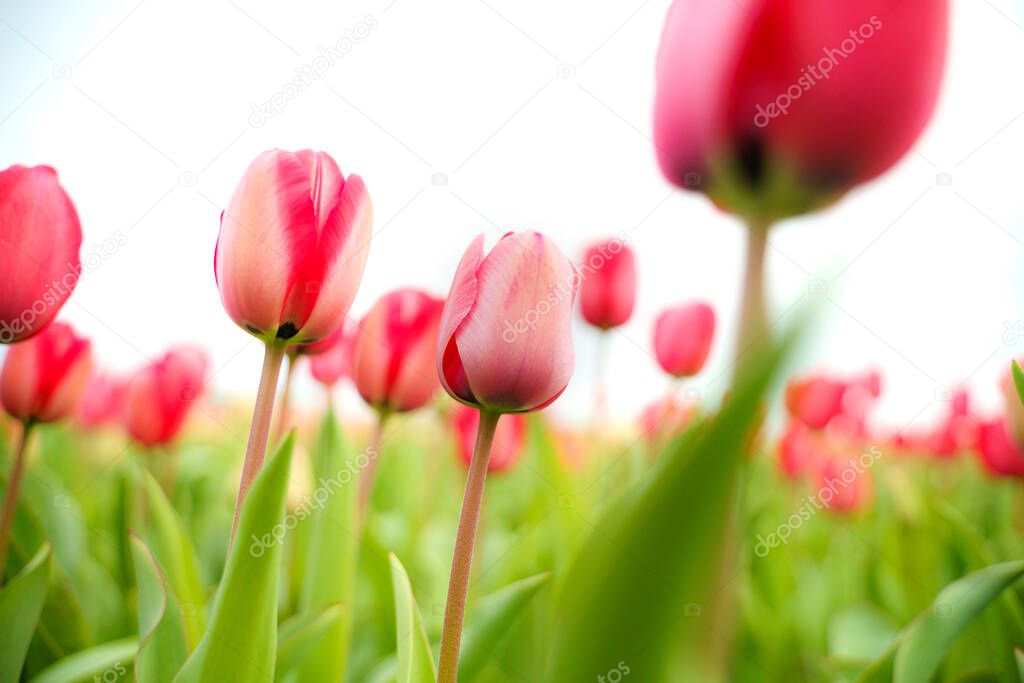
286 398
600 378
11 496
368 476
753 331
462 561
262 412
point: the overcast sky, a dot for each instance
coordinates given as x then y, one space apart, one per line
466 116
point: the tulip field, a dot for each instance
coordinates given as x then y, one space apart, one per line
160 527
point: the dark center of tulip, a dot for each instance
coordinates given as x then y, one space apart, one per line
287 331
751 160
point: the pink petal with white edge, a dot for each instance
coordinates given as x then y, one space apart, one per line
458 305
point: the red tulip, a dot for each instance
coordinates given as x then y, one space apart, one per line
103 401
506 333
1000 453
44 377
682 338
775 107
608 287
665 417
393 350
509 438
816 400
39 239
331 357
797 449
842 487
161 394
293 243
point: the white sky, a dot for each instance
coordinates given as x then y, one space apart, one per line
143 107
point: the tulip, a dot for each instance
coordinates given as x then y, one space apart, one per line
42 380
505 347
664 418
816 400
161 395
841 487
682 338
334 361
103 401
999 450
797 449
509 439
39 238
290 255
608 286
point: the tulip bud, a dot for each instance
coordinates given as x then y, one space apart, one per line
39 241
608 287
509 438
815 400
102 402
331 357
292 247
506 333
776 107
1000 453
44 377
393 348
161 394
682 338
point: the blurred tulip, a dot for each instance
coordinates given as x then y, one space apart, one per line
506 333
103 401
1001 454
841 487
815 400
793 102
797 449
682 338
44 377
664 418
39 240
509 438
162 393
333 357
292 247
608 284
393 351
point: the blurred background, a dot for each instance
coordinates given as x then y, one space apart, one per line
470 116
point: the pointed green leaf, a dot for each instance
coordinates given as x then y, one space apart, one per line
240 642
113 660
1018 380
333 550
163 645
415 660
298 638
490 620
172 548
21 602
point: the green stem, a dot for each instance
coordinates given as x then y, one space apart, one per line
462 561
753 331
11 495
262 412
367 478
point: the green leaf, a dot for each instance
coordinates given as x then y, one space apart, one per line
333 510
300 635
1018 655
415 660
240 642
490 621
163 645
1018 380
643 590
921 647
173 550
860 634
113 658
21 602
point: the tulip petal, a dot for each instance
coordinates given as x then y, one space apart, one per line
461 300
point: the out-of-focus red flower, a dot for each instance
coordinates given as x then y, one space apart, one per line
1000 453
818 400
796 449
39 241
608 287
682 338
843 487
332 358
44 377
509 438
162 393
666 417
103 401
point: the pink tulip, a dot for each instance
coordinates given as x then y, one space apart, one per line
815 400
775 107
506 333
797 450
608 287
842 488
39 241
331 357
161 395
509 438
682 338
103 401
664 418
44 377
292 247
393 350
1001 454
